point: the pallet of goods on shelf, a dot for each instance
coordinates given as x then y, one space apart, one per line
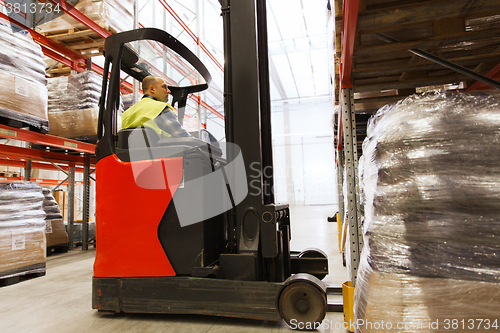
23 91
84 41
431 189
73 105
112 15
22 231
55 233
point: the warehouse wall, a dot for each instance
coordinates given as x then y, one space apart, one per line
304 162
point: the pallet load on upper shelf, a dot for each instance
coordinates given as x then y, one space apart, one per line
431 176
23 91
22 230
74 105
112 15
57 238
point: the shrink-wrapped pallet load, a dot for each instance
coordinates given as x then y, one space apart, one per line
73 105
431 176
22 229
55 232
23 91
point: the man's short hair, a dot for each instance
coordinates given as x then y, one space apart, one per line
149 80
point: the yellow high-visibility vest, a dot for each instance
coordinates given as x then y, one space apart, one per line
143 113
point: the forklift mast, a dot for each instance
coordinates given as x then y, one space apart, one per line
247 110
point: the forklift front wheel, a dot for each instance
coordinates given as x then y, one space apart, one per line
302 305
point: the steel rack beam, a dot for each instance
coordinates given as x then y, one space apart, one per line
46 139
27 170
41 155
86 208
350 20
71 206
191 33
205 105
347 127
36 165
53 182
351 181
494 74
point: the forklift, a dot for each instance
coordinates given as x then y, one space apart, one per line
157 254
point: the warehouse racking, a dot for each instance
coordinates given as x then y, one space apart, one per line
387 50
72 52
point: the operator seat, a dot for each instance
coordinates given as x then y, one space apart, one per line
130 138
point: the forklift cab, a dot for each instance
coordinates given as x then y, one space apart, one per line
168 235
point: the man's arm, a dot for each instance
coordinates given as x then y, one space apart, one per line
167 122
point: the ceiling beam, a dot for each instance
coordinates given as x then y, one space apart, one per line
273 72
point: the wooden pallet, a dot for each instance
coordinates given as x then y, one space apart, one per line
21 274
83 41
60 248
9 174
59 70
32 123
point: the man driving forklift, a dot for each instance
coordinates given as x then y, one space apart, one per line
153 110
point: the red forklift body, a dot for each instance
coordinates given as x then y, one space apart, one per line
128 235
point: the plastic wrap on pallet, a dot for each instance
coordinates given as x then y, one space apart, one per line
21 205
114 14
20 55
86 80
128 101
23 100
22 228
74 123
76 91
392 302
22 251
74 105
55 233
23 94
50 206
431 176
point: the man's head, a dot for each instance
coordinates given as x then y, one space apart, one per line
156 87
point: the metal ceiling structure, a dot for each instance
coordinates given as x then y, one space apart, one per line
297 36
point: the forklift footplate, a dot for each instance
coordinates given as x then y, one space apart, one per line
187 295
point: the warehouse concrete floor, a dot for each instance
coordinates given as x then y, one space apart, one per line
60 301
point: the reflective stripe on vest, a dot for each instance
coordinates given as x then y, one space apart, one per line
143 113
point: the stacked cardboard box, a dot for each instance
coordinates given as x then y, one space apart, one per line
431 176
22 229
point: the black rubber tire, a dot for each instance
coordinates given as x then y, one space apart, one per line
314 253
302 305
